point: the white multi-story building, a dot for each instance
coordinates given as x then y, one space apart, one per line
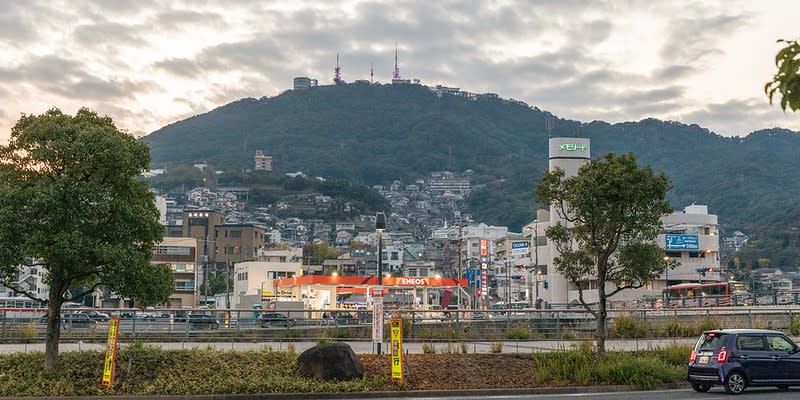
690 236
29 278
262 162
256 279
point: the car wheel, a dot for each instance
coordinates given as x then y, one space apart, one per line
701 387
735 383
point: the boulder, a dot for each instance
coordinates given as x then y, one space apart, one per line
331 361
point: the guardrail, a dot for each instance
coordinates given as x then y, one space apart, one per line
331 325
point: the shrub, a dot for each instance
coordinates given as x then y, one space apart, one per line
709 323
795 326
626 326
497 347
586 368
428 348
27 333
464 347
640 372
675 328
517 333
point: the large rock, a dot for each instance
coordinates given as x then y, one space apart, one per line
331 361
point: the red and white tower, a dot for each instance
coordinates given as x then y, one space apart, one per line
396 74
337 72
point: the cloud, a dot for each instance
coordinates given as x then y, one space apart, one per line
182 67
692 39
739 116
186 19
109 33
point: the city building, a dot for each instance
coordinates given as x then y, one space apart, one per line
256 280
304 82
262 162
181 254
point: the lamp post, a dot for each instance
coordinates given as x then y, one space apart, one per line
377 299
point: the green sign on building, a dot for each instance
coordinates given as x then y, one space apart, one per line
572 147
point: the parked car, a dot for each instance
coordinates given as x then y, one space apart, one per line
202 321
338 318
96 315
266 320
738 358
73 320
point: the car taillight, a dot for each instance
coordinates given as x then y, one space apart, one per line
722 357
692 357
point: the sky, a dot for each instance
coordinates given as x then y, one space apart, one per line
149 63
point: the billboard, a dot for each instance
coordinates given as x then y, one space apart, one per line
681 242
521 247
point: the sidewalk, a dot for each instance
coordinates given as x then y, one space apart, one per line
366 347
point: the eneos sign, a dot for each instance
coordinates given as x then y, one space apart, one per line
413 282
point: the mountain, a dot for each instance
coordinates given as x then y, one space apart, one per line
371 134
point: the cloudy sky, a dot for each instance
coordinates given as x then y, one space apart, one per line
147 63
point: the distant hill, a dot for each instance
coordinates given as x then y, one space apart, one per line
371 134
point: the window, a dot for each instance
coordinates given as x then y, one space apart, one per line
174 251
184 285
674 254
750 342
236 234
395 255
779 343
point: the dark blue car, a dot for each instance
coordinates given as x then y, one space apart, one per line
738 358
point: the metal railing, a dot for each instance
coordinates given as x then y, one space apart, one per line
421 326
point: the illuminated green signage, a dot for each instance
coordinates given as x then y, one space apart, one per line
572 147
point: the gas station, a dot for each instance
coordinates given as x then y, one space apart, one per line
326 291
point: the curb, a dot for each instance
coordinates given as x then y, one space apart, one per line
372 395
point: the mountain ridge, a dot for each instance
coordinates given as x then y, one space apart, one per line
371 134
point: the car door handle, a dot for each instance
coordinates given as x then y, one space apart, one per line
744 356
776 357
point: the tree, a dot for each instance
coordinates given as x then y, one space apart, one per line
612 208
787 79
71 203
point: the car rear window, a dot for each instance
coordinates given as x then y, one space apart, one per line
711 341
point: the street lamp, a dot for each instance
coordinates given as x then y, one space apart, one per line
377 299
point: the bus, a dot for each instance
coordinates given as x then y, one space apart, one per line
705 294
21 309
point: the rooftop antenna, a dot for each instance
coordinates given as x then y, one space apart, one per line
337 72
396 74
371 72
548 124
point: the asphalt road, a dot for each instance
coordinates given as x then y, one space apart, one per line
672 394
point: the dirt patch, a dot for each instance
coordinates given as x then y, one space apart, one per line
458 371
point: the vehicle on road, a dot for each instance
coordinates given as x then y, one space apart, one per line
270 319
76 320
202 321
96 315
738 358
339 318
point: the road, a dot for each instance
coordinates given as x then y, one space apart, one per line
673 394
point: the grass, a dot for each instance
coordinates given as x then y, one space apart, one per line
145 370
643 370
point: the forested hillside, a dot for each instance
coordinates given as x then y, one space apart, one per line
376 133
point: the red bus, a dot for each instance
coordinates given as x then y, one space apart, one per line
703 294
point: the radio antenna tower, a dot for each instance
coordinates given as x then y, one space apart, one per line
337 72
548 124
371 73
396 74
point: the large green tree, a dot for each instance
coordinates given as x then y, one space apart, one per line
787 80
71 203
610 213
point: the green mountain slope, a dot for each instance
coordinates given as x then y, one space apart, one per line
375 133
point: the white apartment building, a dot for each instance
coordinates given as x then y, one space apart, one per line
258 277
